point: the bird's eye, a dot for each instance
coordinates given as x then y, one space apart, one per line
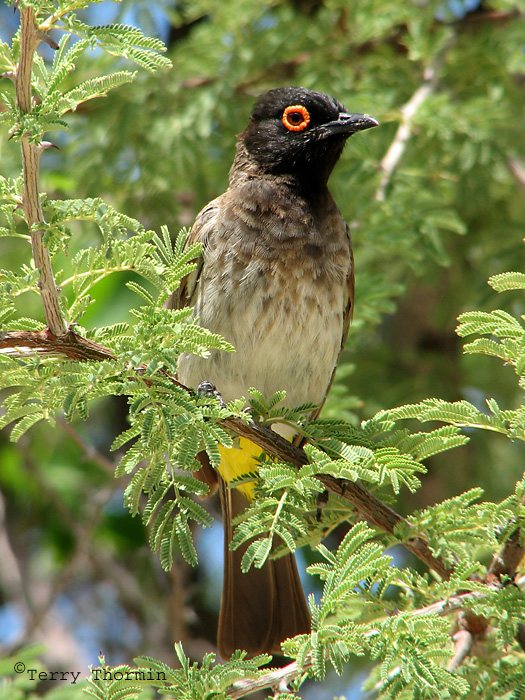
296 118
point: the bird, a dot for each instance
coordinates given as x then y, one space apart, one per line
276 280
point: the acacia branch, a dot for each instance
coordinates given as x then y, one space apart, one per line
277 678
367 505
30 37
281 677
70 344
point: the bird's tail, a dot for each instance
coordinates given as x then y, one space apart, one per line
263 607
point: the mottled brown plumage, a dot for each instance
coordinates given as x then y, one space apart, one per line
276 279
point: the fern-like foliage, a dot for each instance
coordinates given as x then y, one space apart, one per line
458 413
370 606
116 682
116 39
355 617
204 681
168 426
457 528
22 673
507 281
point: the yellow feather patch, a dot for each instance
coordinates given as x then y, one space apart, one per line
239 460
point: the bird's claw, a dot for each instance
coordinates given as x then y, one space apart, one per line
208 389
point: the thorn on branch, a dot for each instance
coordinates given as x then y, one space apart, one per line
48 40
45 145
281 688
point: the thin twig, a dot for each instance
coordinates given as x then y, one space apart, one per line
30 37
288 673
82 549
408 112
463 646
12 582
278 678
517 170
90 452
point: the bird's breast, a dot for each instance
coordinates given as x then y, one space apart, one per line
280 301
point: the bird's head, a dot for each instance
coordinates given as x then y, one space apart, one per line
300 132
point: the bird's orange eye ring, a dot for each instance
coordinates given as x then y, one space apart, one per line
296 118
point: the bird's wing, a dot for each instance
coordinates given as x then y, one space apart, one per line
185 295
347 318
200 232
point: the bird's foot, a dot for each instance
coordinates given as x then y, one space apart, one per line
207 388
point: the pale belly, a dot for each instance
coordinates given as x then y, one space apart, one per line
289 342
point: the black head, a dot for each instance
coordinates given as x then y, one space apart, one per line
300 132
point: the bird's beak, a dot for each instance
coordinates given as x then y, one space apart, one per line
349 124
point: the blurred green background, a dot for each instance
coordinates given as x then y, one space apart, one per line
76 572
